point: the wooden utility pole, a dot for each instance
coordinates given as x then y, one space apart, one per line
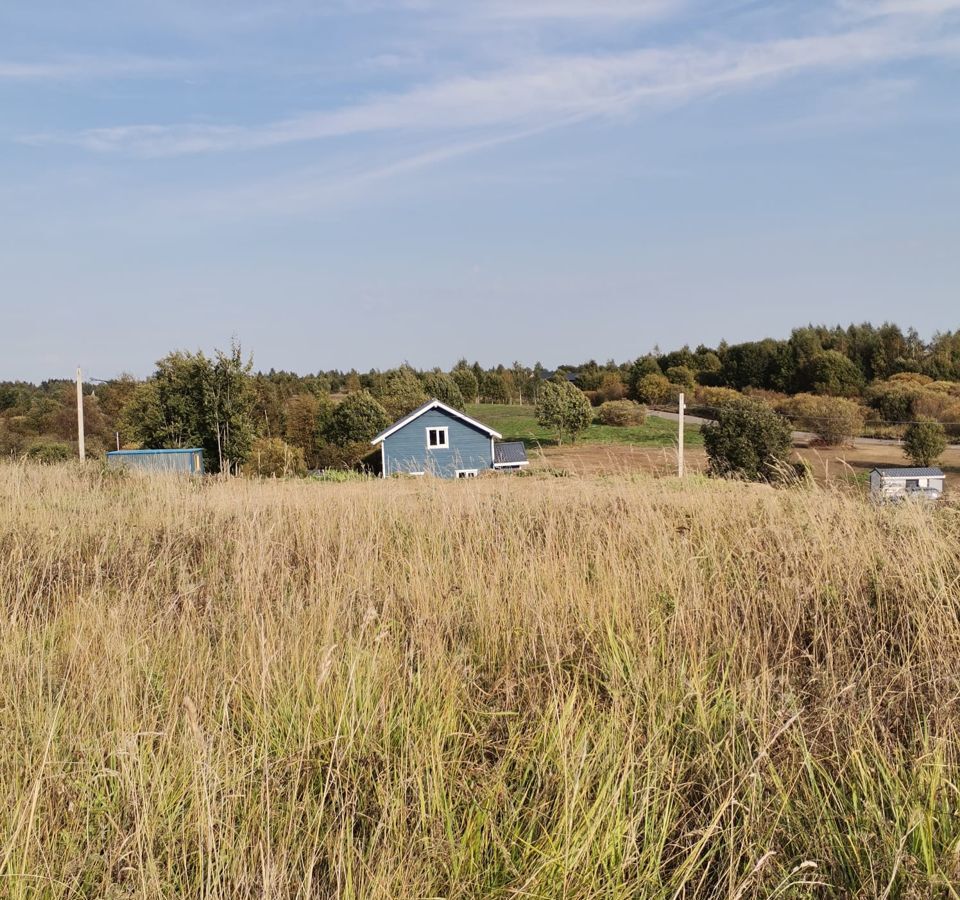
83 453
682 407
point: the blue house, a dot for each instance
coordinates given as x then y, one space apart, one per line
439 440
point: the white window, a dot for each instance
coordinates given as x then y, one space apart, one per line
466 473
438 438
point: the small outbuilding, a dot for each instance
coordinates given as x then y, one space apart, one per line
510 456
187 461
907 481
438 440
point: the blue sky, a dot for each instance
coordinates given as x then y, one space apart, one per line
363 182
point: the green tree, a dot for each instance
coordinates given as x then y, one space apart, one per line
193 401
114 396
229 401
646 365
400 392
564 408
11 396
924 442
522 377
358 419
305 417
466 381
442 387
493 388
748 440
683 377
833 373
760 364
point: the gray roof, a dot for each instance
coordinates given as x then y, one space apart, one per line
509 454
911 472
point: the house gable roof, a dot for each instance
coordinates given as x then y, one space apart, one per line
433 404
911 472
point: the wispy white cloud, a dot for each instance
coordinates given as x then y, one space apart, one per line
309 189
545 92
578 9
522 9
867 104
879 8
89 68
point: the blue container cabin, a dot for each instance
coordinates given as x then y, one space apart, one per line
439 440
188 461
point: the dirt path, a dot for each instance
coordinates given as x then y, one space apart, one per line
799 437
828 463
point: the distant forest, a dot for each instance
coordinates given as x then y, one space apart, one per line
889 376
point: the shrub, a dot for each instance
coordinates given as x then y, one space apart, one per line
611 388
654 389
765 395
341 476
713 398
11 442
924 442
748 441
951 388
894 399
833 419
356 454
50 452
621 413
910 378
942 406
273 458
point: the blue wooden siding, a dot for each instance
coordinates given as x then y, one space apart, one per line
406 450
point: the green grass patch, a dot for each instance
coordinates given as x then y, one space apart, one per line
519 423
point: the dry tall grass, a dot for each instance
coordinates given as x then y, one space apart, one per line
509 687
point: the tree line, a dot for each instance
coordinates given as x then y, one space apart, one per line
835 381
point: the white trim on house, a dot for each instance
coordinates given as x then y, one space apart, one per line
434 404
467 473
443 437
513 465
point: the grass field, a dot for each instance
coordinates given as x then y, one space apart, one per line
511 687
519 423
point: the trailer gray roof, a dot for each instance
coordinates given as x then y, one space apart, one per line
911 472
